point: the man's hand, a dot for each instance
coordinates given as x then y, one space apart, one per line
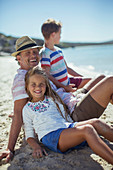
7 154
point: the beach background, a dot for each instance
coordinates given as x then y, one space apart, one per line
88 61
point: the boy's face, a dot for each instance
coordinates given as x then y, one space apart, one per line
57 36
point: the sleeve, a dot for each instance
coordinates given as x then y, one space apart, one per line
45 58
18 89
28 123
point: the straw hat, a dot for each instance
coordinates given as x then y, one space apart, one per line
25 43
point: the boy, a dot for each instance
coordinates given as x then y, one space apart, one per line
52 59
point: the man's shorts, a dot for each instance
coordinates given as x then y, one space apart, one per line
51 140
76 81
86 109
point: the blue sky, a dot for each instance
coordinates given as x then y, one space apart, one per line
83 20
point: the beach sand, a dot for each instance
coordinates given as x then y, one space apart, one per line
23 160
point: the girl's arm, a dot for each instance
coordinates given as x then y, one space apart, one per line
29 133
38 152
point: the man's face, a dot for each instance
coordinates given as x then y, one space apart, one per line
28 58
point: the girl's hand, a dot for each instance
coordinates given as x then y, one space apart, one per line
39 152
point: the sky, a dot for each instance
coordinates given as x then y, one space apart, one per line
82 20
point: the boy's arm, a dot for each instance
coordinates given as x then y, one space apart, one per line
72 72
68 88
37 150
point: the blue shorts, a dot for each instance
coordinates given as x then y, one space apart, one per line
51 140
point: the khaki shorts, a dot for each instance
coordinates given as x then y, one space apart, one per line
86 109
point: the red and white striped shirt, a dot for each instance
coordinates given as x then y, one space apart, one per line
55 60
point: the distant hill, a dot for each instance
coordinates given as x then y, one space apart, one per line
7 44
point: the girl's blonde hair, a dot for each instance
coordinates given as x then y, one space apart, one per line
49 91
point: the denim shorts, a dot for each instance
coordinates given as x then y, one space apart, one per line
51 140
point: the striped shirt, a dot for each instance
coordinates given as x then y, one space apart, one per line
70 99
18 88
18 91
55 60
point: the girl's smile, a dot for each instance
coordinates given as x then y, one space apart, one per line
37 87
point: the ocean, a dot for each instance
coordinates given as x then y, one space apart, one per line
88 61
91 59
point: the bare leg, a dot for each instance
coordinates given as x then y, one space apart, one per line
93 82
102 92
83 82
75 136
101 127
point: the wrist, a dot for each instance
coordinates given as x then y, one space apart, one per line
36 147
12 152
63 86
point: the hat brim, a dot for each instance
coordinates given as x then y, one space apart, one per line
17 52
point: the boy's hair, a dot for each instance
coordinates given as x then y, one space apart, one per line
49 91
49 27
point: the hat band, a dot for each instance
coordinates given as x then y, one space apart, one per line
27 46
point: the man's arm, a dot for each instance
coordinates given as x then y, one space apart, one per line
68 88
15 129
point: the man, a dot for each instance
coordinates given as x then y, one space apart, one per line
27 55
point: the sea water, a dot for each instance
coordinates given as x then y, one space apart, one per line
90 60
86 60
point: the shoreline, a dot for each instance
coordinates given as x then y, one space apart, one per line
64 46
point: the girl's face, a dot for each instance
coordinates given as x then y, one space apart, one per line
37 87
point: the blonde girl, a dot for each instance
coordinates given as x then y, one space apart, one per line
46 114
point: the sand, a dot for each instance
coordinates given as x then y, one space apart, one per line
23 160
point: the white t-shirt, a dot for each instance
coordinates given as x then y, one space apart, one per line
43 117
